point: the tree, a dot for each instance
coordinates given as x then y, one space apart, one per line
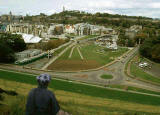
146 48
9 44
151 49
140 38
156 52
18 43
6 53
130 43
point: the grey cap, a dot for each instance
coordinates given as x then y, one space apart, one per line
44 78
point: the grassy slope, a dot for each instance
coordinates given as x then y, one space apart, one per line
84 89
88 36
130 88
89 52
75 55
74 103
137 72
65 55
60 50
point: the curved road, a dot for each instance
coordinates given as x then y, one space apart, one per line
93 77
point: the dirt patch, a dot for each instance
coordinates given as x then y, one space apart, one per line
39 63
81 76
73 65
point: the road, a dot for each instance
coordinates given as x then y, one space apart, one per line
93 76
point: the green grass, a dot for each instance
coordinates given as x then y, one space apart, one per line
75 55
137 72
60 50
65 55
105 76
97 110
88 36
130 88
89 53
84 89
54 38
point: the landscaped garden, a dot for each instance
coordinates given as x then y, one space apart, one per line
92 56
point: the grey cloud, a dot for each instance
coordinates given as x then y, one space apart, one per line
128 7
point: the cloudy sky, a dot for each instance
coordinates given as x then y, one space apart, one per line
149 8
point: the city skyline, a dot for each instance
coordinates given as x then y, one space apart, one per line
148 8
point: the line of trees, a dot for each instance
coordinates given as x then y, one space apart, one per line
51 44
151 49
9 44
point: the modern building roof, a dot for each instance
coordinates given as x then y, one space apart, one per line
29 38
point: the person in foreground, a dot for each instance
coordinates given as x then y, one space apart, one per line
40 100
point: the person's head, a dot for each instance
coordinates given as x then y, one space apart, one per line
43 80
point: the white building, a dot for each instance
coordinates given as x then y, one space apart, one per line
108 41
29 38
70 29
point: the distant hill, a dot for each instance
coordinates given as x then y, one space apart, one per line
106 19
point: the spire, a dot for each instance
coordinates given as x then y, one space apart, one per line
10 13
63 8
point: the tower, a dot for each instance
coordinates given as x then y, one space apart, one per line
10 16
10 13
63 8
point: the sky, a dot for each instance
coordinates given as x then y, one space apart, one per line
148 8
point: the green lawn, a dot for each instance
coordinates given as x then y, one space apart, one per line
54 38
88 36
130 88
89 53
105 76
75 55
84 89
65 55
60 50
137 72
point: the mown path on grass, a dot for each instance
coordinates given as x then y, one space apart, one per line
56 57
116 69
70 55
80 53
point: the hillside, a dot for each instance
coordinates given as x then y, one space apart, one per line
77 99
106 19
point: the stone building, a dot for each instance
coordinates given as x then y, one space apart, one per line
36 30
132 31
56 29
88 29
70 29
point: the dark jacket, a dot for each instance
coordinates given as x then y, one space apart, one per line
41 101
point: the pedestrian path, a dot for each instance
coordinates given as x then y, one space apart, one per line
70 55
56 57
80 53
